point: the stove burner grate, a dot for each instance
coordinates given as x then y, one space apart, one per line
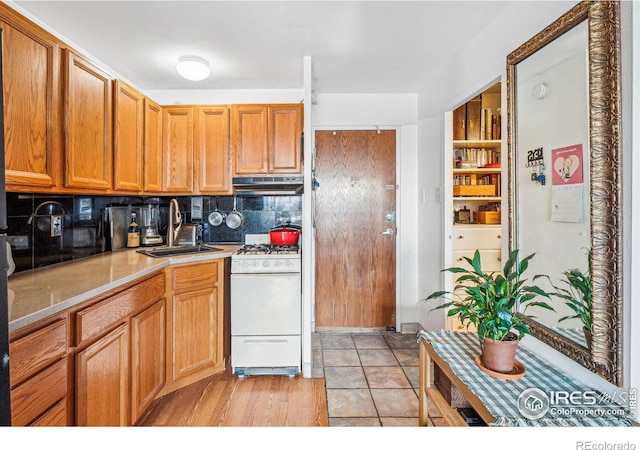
267 249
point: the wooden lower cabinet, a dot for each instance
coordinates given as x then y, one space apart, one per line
56 416
124 350
196 323
39 374
102 381
35 397
148 351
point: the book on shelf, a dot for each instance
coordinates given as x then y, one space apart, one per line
475 157
474 117
490 125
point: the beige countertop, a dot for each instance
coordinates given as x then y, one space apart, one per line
36 294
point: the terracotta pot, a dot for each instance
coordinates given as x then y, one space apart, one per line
499 356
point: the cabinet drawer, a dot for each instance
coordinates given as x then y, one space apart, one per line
195 276
490 259
56 416
38 394
98 318
477 237
37 350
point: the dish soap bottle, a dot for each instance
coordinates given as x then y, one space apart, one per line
133 235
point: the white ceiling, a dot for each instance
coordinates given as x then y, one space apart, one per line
355 46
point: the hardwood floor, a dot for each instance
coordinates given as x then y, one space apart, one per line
226 400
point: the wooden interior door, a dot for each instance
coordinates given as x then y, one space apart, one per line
355 261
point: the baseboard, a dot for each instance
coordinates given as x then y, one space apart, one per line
347 330
410 328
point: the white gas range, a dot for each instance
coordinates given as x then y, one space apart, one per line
266 309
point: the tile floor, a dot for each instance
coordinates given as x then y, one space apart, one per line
371 378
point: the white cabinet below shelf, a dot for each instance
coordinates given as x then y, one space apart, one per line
481 237
491 259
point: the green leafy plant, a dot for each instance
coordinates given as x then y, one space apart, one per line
491 300
577 294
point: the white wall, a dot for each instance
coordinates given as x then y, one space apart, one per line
387 111
430 219
463 76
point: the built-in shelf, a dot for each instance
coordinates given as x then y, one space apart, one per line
478 144
480 170
488 199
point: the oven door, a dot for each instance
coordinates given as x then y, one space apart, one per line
266 304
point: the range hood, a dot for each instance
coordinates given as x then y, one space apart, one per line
258 186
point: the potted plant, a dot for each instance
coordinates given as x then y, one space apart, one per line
577 296
490 301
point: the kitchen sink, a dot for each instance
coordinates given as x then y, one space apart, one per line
161 252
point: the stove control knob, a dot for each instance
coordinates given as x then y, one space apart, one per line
265 263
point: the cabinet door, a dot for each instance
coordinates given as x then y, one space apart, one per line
285 139
128 141
31 105
177 141
148 338
213 150
152 146
87 125
102 381
194 332
250 139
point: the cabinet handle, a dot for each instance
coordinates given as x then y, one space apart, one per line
499 236
461 237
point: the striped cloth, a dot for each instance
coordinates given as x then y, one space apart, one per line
501 397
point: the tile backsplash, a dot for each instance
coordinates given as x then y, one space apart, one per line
49 229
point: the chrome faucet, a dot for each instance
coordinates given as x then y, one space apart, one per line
175 222
49 202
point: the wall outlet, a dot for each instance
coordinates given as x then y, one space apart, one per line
56 226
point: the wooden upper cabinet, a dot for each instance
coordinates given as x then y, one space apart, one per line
267 139
87 125
31 104
213 150
177 141
152 166
285 139
128 138
250 139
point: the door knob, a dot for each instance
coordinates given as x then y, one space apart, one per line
387 231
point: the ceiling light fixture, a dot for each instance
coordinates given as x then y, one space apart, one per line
193 68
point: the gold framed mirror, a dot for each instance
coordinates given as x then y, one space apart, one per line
590 210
